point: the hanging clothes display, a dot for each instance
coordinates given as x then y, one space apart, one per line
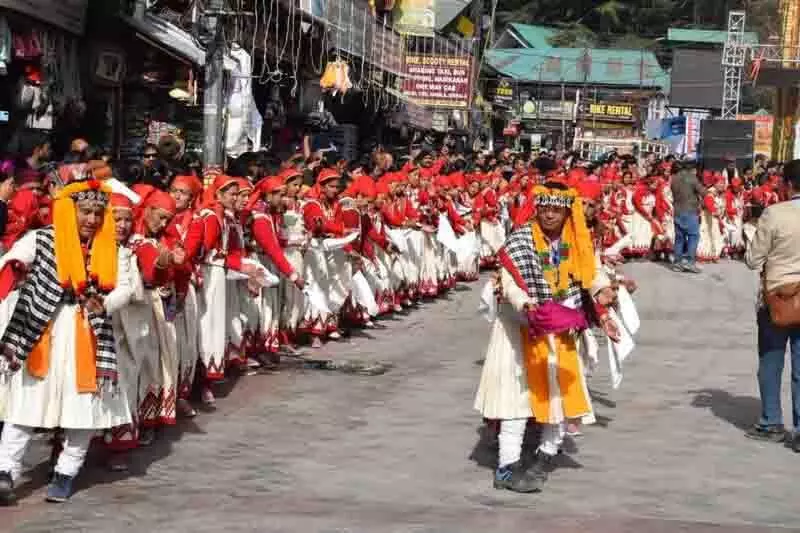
244 120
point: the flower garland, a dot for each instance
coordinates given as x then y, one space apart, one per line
557 276
576 260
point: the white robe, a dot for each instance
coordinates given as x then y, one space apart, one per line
54 401
503 391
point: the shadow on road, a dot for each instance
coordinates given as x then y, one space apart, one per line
740 411
484 453
602 399
140 459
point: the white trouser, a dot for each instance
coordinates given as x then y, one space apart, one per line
512 433
15 442
552 437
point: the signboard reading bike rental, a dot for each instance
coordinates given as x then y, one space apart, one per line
437 80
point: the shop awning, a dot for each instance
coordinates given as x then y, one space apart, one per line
171 39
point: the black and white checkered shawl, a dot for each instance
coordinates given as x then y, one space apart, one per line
521 251
39 299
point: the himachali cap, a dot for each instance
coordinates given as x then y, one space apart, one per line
590 190
271 184
244 184
289 174
120 201
156 198
326 175
189 182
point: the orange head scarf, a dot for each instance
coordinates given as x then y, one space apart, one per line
210 201
155 198
70 265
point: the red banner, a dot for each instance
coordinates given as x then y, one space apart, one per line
438 80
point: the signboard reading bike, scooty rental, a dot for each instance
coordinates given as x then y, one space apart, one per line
438 80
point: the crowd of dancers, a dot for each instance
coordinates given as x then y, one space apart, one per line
121 299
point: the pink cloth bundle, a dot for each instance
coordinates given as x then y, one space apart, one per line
552 318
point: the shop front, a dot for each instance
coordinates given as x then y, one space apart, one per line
41 90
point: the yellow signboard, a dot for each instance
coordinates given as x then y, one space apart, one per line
609 111
763 133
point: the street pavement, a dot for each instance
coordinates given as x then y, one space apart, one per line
316 451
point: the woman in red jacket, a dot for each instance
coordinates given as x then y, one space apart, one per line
157 260
211 243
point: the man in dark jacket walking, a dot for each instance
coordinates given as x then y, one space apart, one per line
687 195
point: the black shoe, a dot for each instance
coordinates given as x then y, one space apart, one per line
7 496
60 488
692 268
766 433
515 478
540 469
793 442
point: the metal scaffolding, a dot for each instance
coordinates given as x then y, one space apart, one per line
733 58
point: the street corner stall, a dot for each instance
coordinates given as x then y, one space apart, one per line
41 91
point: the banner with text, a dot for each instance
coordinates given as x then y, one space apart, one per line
763 134
607 111
438 80
69 15
501 92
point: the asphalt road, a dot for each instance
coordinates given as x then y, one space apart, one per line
315 451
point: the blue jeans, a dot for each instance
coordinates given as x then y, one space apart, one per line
772 342
687 237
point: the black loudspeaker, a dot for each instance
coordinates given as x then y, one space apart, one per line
724 140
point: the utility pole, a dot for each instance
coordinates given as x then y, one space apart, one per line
476 14
213 161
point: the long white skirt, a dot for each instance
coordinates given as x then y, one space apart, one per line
188 341
158 379
269 313
642 233
429 271
7 307
503 391
735 235
341 278
493 236
379 279
293 299
213 326
712 240
54 401
316 276
412 259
